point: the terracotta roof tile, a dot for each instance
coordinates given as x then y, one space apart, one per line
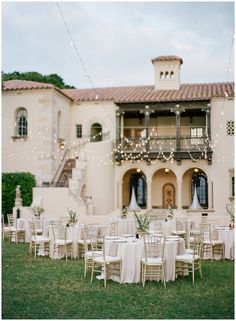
25 84
167 58
187 92
133 94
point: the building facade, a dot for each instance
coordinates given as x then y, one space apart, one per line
164 141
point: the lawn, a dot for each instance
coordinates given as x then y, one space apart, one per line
47 289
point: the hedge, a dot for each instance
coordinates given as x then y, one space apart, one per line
9 183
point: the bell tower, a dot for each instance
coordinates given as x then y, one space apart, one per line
167 72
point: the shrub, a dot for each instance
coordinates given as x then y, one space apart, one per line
9 183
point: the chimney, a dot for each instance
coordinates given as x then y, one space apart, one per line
167 72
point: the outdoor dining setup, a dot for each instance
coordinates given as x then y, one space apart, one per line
131 247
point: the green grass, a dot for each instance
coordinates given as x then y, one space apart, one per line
46 289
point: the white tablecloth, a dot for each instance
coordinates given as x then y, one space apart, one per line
132 251
74 234
227 236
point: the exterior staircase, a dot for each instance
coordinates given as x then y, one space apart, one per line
77 180
66 173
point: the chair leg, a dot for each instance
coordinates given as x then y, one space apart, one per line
105 275
144 275
163 275
193 271
200 267
91 280
85 267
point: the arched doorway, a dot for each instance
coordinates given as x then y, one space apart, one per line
199 179
136 179
168 194
96 133
191 178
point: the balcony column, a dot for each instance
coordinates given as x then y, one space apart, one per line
147 112
208 124
178 110
179 199
122 125
118 126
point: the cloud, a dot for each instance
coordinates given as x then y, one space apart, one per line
117 40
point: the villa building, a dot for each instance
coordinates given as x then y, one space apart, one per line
163 141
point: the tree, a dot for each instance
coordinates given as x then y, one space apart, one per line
53 79
9 184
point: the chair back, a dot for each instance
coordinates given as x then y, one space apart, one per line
33 227
59 232
205 230
37 222
114 229
11 220
154 247
181 225
156 226
197 245
97 244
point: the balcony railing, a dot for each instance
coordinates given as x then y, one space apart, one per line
182 147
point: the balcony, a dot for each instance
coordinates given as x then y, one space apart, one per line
147 144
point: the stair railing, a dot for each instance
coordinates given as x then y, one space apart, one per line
230 209
60 167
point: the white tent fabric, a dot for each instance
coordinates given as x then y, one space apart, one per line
133 205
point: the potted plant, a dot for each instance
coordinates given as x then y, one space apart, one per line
142 223
72 217
37 210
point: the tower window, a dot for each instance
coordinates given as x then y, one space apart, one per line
161 75
167 76
172 75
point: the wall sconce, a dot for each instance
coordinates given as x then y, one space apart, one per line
196 170
167 170
138 170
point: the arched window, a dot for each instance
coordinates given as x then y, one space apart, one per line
96 133
21 122
167 76
172 75
200 180
138 181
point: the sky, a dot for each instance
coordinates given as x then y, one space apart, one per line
114 42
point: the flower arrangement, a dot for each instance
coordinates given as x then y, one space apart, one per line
170 212
124 212
143 222
72 216
37 210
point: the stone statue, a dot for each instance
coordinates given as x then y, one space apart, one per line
18 199
17 191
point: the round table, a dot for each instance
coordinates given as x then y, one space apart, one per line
131 251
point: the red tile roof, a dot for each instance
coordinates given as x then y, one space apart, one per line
187 92
167 58
133 94
25 84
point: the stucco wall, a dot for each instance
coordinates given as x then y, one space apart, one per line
39 153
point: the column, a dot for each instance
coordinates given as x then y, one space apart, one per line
179 199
